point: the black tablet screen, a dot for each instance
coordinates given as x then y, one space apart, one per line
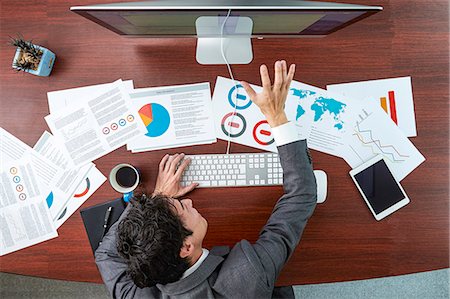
379 186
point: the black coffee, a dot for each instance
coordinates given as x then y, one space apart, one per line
126 177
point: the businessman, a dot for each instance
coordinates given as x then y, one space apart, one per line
155 250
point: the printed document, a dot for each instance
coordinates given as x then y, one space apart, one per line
60 99
90 183
174 116
322 117
25 219
375 134
236 118
393 96
98 126
49 147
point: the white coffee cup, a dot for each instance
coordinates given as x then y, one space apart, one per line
124 178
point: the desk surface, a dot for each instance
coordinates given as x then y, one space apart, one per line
342 240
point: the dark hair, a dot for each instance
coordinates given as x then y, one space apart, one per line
150 238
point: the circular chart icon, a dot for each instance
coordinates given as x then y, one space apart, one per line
114 126
13 170
130 118
238 98
231 121
122 122
105 130
84 190
16 179
19 188
22 196
156 118
262 133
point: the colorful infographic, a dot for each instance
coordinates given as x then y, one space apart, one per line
393 95
156 118
237 118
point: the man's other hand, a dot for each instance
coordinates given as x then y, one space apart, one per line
273 97
169 176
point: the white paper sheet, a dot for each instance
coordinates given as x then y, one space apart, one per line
174 116
322 117
49 147
93 180
395 94
54 177
247 125
60 99
25 219
97 127
375 134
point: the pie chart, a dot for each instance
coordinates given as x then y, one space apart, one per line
156 118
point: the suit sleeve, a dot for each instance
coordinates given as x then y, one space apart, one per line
283 230
113 268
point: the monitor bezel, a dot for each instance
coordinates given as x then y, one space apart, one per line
84 12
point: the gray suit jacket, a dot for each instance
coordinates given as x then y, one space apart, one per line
247 270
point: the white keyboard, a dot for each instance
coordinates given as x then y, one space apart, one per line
233 170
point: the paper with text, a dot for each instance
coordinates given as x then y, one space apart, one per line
98 126
93 180
174 116
24 217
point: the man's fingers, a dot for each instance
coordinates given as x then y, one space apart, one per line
187 189
173 165
249 90
182 167
290 75
265 79
278 75
163 162
284 69
169 162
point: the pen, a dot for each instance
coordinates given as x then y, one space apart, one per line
105 223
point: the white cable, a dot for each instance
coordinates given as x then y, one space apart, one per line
232 78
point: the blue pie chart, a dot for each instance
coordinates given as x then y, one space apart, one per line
156 118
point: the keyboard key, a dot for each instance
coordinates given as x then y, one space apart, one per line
241 182
231 183
204 183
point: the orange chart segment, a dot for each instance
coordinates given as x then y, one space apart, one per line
146 114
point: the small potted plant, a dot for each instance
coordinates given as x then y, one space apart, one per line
32 58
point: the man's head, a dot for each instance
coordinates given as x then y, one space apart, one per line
160 238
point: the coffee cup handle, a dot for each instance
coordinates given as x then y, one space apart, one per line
127 196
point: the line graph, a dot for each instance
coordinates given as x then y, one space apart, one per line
367 139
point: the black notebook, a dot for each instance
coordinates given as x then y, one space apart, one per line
94 218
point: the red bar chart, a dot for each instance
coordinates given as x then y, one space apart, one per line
392 110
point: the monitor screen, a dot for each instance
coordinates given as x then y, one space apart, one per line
283 20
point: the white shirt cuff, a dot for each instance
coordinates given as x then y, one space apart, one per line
286 133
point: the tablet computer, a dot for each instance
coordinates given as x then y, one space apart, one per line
381 191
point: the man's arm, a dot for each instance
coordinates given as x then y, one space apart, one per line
282 232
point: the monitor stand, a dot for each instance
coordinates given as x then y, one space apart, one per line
237 44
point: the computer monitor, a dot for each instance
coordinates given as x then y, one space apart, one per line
224 28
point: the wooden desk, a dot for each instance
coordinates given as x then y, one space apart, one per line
342 240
